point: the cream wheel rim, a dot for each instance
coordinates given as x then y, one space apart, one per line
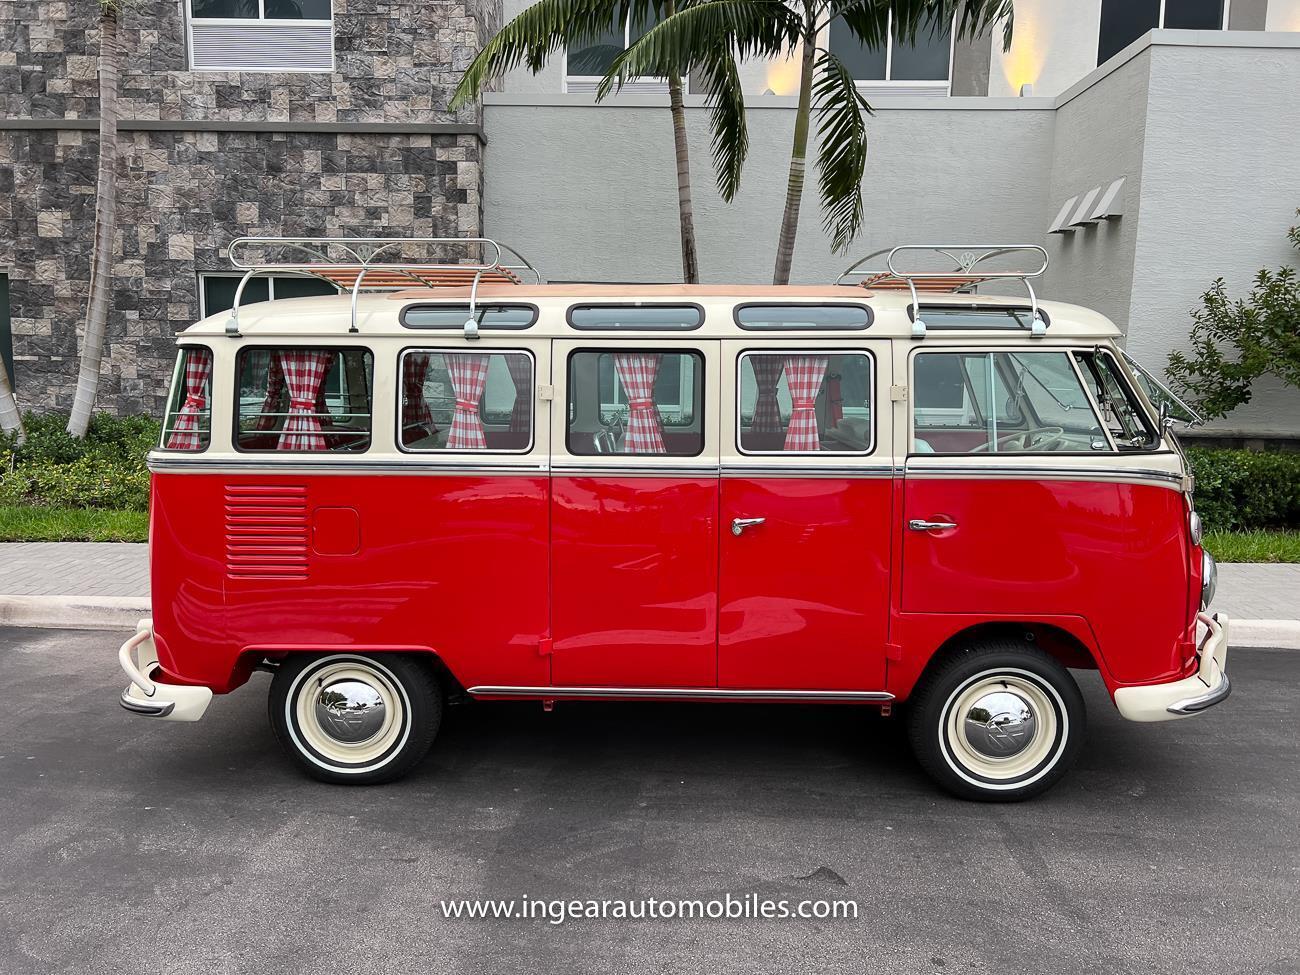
1003 729
348 714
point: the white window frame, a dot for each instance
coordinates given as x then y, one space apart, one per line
260 21
592 80
269 278
879 84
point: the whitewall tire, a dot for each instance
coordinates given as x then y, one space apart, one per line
355 718
999 721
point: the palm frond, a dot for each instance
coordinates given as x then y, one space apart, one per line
728 130
842 148
539 32
680 42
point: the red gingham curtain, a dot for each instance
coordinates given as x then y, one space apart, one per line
803 377
520 372
185 425
834 399
415 408
767 374
468 378
304 372
274 387
637 371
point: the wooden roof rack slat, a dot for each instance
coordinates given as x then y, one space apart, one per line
353 263
963 275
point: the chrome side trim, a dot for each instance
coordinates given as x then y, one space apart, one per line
630 470
300 467
1080 472
810 470
1194 705
672 693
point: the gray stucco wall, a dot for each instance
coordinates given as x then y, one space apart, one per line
590 192
1220 187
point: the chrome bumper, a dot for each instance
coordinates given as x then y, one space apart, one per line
1191 695
171 702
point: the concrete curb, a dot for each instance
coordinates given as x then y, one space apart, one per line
75 612
113 612
1281 634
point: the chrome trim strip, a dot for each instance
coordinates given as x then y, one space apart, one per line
949 470
300 467
670 693
810 470
631 470
1202 702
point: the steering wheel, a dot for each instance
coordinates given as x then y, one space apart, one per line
1037 438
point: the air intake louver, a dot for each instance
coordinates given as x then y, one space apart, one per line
216 46
266 532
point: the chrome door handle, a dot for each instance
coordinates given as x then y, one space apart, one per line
920 525
738 525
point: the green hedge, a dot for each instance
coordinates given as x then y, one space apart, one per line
1244 489
104 471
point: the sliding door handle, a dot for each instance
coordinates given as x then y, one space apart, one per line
920 525
738 525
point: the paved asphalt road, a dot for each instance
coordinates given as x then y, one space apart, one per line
131 845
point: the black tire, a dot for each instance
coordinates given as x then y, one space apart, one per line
949 748
314 733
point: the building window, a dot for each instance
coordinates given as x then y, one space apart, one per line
261 35
6 333
587 62
1124 21
923 66
217 291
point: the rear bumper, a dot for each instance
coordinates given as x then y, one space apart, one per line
1191 695
170 702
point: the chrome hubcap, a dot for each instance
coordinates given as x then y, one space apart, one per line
350 711
1000 724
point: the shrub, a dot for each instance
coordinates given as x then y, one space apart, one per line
1243 489
106 470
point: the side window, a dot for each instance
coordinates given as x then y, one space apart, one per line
304 399
1001 402
467 400
188 425
1126 421
800 402
636 402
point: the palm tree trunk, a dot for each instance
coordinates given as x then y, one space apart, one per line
101 268
685 209
11 420
798 156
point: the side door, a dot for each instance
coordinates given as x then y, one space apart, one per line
634 513
807 495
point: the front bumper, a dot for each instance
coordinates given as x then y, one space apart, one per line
1191 695
171 702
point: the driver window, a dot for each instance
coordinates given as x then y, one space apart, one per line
1127 423
1001 402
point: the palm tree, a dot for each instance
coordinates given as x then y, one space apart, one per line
554 25
101 267
11 420
705 38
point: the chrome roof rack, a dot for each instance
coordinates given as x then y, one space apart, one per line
355 263
963 276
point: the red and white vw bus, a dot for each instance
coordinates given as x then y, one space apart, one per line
890 491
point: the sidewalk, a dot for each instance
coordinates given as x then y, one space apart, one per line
114 575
